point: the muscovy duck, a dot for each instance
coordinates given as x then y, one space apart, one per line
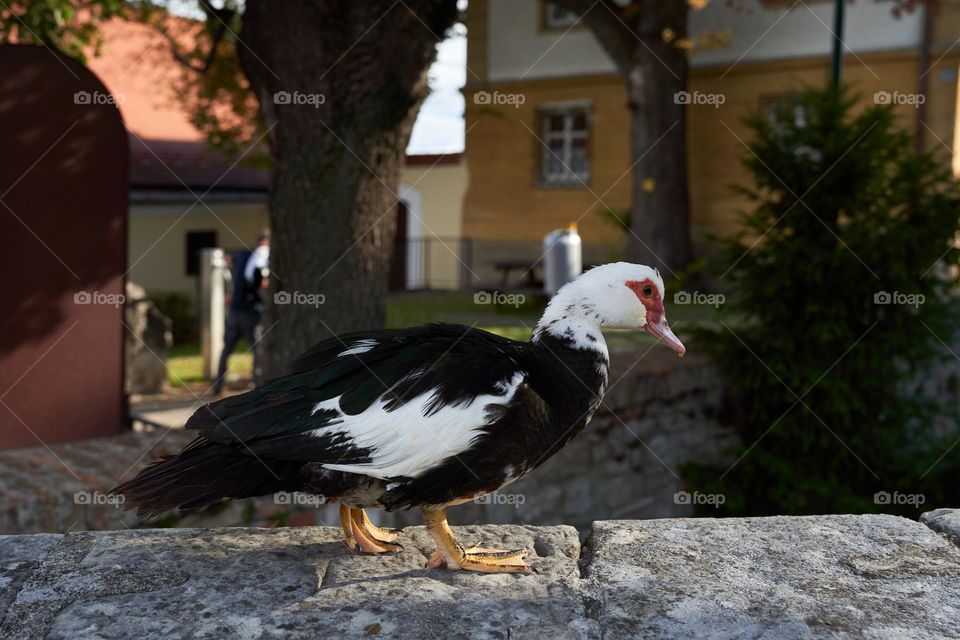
429 417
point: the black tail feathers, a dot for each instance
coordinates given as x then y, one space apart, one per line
202 474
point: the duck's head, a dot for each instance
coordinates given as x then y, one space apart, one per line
620 295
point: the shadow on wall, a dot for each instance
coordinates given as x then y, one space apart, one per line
63 218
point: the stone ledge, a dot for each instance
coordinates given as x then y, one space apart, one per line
945 521
783 577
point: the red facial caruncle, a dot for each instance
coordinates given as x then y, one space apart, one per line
649 295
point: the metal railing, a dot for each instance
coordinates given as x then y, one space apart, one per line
444 262
439 262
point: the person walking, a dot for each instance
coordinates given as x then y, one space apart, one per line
251 274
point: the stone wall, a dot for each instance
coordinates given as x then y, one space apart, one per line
63 487
871 576
660 412
148 336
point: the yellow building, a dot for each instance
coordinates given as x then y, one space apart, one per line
539 86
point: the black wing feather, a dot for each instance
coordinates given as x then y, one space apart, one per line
453 362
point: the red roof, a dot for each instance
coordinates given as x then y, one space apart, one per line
166 151
137 66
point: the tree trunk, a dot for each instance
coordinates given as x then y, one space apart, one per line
660 217
660 207
654 69
350 82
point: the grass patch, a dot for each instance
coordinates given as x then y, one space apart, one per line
185 363
459 307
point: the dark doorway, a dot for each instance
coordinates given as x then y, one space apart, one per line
398 262
196 241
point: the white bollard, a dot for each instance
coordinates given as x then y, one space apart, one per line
212 305
562 258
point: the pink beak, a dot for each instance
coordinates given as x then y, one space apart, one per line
661 330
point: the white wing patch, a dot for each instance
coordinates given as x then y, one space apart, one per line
361 346
406 442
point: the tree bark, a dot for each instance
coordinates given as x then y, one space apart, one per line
653 70
654 74
354 79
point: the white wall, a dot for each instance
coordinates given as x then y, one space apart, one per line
803 31
516 44
434 196
157 238
518 49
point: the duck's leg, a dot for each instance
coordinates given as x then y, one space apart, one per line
380 534
361 535
345 521
451 552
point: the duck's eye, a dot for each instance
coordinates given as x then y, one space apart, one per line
647 291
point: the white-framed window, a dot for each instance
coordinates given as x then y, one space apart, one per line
565 158
556 17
